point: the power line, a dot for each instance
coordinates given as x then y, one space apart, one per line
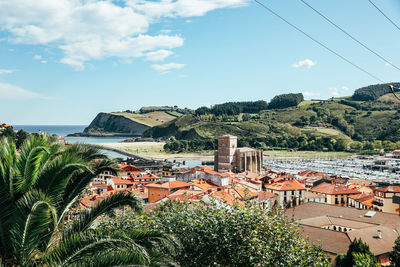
351 36
383 13
318 42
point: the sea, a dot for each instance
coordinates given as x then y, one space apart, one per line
64 130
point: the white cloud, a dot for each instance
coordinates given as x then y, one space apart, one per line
311 94
43 61
308 63
334 91
165 68
9 91
37 57
158 55
165 31
6 71
181 8
188 21
86 30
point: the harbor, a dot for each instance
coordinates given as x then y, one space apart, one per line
378 169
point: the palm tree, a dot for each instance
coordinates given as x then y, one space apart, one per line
39 185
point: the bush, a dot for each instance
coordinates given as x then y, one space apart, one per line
237 236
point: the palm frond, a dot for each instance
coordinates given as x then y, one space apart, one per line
34 218
81 247
54 178
79 181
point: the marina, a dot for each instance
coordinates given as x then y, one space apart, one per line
356 167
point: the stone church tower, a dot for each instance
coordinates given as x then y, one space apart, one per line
230 157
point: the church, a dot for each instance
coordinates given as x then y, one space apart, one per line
229 157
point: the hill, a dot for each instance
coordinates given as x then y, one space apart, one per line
336 120
130 123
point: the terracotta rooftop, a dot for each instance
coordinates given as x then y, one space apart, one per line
333 189
311 173
122 181
265 195
170 185
331 241
184 195
286 186
391 188
364 224
203 184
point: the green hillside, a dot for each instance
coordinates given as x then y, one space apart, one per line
332 120
151 119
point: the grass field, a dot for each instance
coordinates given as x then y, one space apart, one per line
155 150
151 119
324 131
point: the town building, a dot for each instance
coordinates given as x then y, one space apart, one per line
334 228
387 199
229 157
158 191
334 194
290 192
205 173
361 201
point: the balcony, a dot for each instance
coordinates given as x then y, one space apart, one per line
377 203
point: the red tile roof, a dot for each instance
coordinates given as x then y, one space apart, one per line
391 189
170 185
266 195
286 186
122 181
185 194
333 189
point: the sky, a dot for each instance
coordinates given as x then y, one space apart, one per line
64 61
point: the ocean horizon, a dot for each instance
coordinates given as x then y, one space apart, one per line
64 130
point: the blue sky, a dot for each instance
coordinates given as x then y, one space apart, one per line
62 62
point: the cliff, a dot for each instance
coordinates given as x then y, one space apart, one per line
117 125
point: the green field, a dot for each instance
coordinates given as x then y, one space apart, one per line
151 119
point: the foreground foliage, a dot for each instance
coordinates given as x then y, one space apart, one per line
394 256
358 255
39 186
211 236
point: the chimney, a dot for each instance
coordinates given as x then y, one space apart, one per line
379 234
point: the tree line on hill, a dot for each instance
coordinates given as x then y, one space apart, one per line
372 92
235 108
297 143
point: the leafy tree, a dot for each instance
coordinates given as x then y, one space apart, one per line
394 256
39 187
236 236
364 260
357 255
285 101
372 92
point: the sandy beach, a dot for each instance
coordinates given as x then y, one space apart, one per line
155 150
